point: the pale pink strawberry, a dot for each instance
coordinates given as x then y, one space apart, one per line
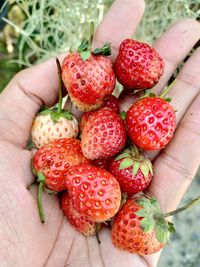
45 129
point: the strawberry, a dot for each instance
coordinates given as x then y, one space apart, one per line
46 129
88 77
132 170
138 65
84 118
140 226
81 223
104 134
110 101
151 122
95 193
54 123
52 161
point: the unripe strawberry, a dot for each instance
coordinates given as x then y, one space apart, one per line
44 129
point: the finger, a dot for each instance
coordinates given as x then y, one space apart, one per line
38 85
174 46
187 86
177 165
119 23
23 96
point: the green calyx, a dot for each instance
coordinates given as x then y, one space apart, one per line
56 114
123 115
105 50
153 218
133 157
85 48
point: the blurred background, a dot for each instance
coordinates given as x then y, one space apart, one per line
34 30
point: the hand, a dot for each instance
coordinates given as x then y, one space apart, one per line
24 241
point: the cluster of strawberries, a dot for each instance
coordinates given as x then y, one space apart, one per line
98 163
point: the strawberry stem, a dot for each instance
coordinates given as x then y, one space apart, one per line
39 201
185 207
91 33
167 88
60 86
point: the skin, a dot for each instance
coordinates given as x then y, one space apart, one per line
24 241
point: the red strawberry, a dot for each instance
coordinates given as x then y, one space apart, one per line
138 65
84 118
151 123
104 134
51 164
55 158
81 223
88 81
132 170
140 226
110 101
95 193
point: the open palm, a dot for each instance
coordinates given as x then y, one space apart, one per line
24 241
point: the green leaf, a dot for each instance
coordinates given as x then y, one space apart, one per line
123 115
153 200
144 202
83 46
147 224
168 99
34 171
162 233
50 192
105 50
85 55
67 115
55 116
136 167
152 95
126 163
171 228
41 177
121 156
150 166
143 213
30 145
144 168
44 111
